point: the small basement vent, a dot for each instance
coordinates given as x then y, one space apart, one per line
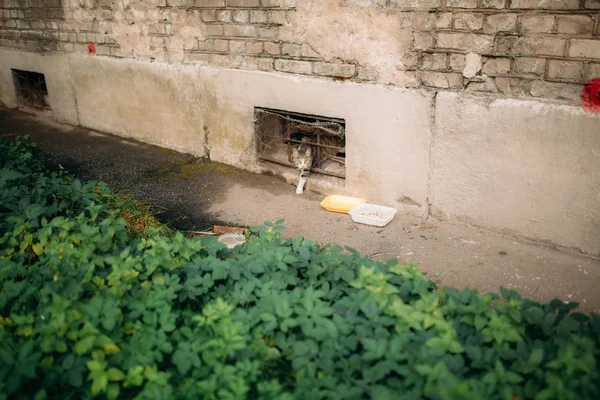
31 89
277 131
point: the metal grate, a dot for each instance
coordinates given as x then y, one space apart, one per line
31 89
276 130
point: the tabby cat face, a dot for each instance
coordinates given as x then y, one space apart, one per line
302 156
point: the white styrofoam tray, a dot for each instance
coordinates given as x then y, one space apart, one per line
372 214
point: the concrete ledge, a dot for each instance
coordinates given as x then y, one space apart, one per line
525 167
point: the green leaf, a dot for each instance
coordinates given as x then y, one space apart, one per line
534 315
300 349
330 327
96 367
282 266
220 273
113 391
37 249
499 336
531 389
435 341
268 317
455 347
513 336
6 358
185 358
111 313
68 362
428 322
60 346
375 349
84 345
370 308
480 322
490 379
99 385
287 324
379 371
135 376
304 253
513 378
536 357
114 375
282 308
545 394
73 377
548 322
424 369
41 395
256 267
465 296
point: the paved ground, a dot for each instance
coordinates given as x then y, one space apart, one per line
195 194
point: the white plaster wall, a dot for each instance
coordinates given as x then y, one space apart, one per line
523 166
387 129
58 80
154 102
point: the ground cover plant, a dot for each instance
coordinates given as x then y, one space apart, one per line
90 309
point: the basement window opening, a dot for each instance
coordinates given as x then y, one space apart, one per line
31 89
278 130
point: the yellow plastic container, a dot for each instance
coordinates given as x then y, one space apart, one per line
341 204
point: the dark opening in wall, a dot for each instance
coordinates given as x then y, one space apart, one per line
31 89
277 130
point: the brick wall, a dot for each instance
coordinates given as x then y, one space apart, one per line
523 48
32 25
539 48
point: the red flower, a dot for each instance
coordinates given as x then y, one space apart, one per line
591 96
92 48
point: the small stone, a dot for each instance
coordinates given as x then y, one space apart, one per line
473 65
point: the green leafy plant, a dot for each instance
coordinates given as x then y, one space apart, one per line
88 310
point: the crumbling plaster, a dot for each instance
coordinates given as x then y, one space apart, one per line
372 39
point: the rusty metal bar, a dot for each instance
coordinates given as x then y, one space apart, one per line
295 114
316 170
318 155
283 140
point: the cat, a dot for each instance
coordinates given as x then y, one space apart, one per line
302 155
